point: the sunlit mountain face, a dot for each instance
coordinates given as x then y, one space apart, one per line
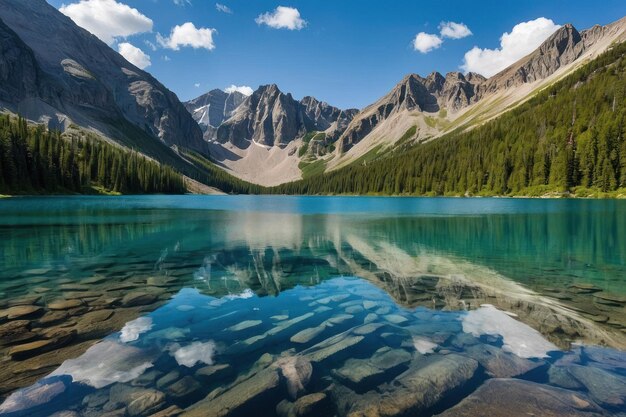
229 306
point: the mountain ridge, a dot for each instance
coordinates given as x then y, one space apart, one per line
87 83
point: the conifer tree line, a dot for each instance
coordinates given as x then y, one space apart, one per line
35 160
569 137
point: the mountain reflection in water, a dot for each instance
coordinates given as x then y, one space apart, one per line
219 312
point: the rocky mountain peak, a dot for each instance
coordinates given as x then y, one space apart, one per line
272 118
85 82
211 109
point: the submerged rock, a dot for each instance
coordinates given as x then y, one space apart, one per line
238 399
184 387
214 372
64 304
331 347
501 364
312 405
605 388
427 382
20 312
501 396
306 335
248 324
297 370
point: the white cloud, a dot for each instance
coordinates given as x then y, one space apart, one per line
107 19
524 38
182 2
105 363
425 42
193 353
150 45
197 85
134 55
517 338
223 8
131 330
166 58
454 30
188 35
282 18
243 89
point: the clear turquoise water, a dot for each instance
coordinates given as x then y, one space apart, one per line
424 266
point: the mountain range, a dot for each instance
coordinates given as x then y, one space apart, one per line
296 134
56 73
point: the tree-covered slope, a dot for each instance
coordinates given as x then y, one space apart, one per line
33 160
568 138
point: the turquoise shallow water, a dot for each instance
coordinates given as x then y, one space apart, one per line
135 305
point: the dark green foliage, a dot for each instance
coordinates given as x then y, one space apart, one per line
569 137
33 160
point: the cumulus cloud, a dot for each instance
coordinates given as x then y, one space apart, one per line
282 18
131 330
134 55
243 89
522 40
426 42
107 19
517 337
105 363
188 35
223 8
454 30
193 353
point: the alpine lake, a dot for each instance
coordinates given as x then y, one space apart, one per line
312 306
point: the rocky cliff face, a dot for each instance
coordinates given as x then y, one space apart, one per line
414 94
270 117
82 80
211 109
456 91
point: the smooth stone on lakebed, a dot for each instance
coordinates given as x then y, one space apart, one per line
361 374
395 318
605 388
138 401
16 331
19 312
184 387
26 300
214 371
306 335
64 304
31 349
171 411
312 405
139 298
248 324
331 347
501 396
238 399
501 364
427 382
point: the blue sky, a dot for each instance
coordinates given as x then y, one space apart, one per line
345 52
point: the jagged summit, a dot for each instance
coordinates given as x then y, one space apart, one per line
270 117
211 109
